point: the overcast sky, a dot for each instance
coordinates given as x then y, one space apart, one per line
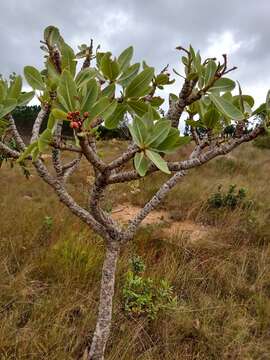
240 28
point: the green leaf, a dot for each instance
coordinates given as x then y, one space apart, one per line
128 75
210 71
267 103
52 35
171 143
84 76
160 163
138 131
102 108
226 108
125 58
51 122
247 98
114 119
28 151
3 90
15 88
59 114
140 83
109 90
67 92
89 95
8 106
223 85
141 163
44 140
138 106
68 61
211 118
25 98
33 77
159 133
156 101
109 67
163 79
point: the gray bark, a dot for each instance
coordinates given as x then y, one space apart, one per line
104 319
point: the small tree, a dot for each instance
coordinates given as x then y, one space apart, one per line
106 92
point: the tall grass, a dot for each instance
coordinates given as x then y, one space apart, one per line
50 269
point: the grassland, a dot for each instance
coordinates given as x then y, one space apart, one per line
50 268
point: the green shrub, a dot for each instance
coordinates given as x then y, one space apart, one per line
229 199
142 296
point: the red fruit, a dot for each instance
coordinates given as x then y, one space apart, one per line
86 114
74 125
77 112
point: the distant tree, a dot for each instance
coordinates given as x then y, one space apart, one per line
104 91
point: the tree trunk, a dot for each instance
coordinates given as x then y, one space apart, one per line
104 319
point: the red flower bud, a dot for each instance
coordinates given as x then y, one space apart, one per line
74 125
86 114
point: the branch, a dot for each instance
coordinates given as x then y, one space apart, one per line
64 197
91 155
68 169
153 203
38 123
190 163
10 152
17 137
125 157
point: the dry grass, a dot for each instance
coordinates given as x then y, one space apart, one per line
50 268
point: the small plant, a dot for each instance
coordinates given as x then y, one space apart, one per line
144 297
48 221
230 199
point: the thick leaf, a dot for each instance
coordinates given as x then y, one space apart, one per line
15 88
159 133
51 122
52 35
113 121
33 77
223 85
156 101
84 76
211 118
163 79
139 107
28 151
129 74
140 83
210 71
68 60
8 106
158 161
226 108
44 140
3 90
170 144
141 163
52 73
89 95
138 131
109 67
25 98
109 90
59 114
125 58
267 103
102 108
67 92
247 98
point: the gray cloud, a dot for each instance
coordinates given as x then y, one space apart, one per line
153 27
